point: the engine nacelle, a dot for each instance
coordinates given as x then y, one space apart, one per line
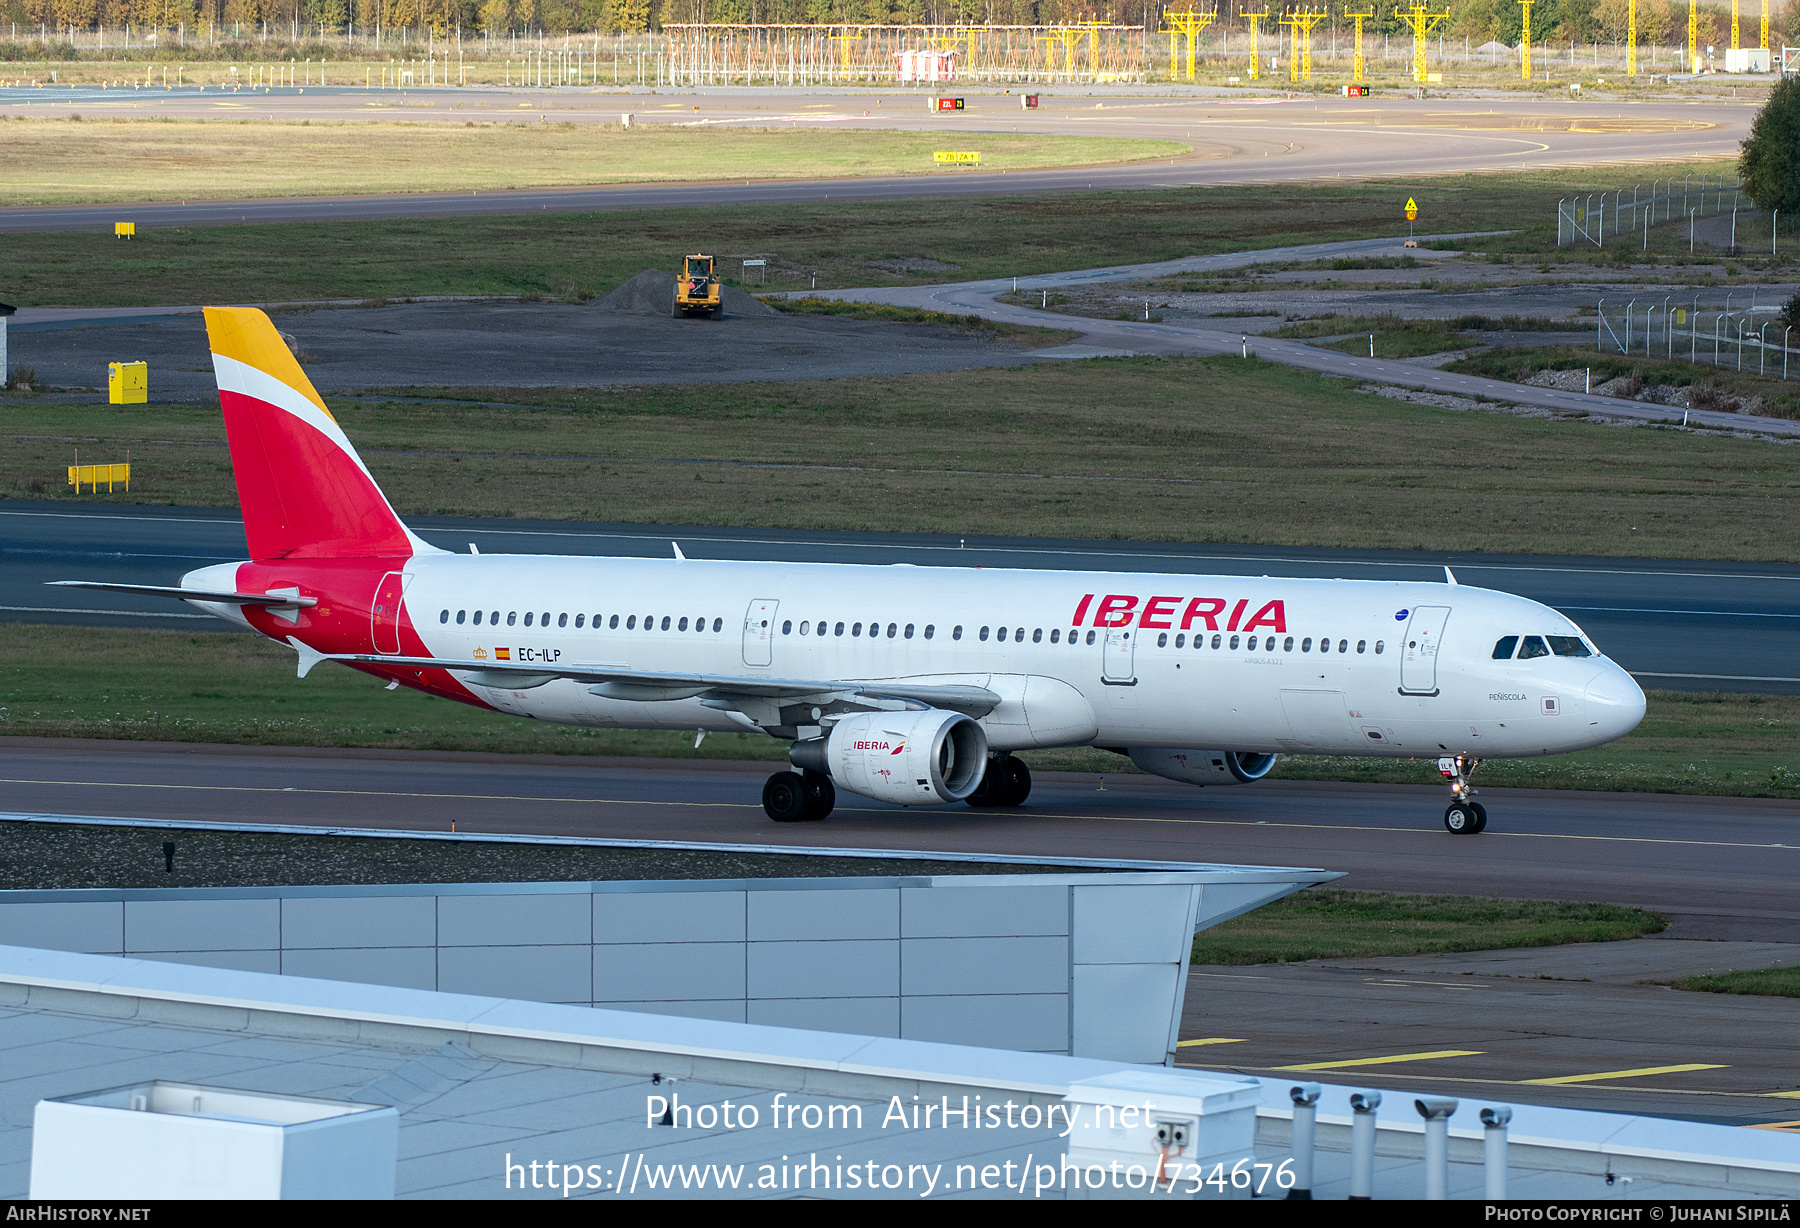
1204 767
923 758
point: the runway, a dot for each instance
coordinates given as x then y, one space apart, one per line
1236 139
1673 623
1723 868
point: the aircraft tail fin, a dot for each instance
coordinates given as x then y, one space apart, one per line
304 491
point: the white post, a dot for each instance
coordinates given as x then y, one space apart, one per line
1436 1111
1493 1150
1362 1145
1306 1116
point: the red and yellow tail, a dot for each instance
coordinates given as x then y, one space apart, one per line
303 489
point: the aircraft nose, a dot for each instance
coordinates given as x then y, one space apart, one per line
1615 703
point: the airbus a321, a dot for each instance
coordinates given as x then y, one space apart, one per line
913 685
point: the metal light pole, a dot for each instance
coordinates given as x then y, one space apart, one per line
1784 349
1668 332
1762 348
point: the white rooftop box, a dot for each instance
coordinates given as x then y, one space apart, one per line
183 1140
1145 1133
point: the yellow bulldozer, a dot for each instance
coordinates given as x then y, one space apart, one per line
697 289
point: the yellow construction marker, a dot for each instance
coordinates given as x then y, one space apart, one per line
1384 1061
1624 1074
1210 1040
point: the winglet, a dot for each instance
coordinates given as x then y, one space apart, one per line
1449 577
679 556
309 657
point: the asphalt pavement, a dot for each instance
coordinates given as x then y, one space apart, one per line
1673 623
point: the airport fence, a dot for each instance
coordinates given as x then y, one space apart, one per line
1601 215
1754 338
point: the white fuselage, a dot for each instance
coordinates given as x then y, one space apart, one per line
1080 658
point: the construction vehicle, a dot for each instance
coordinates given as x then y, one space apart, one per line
697 289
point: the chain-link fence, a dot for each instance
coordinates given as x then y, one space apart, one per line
1746 338
1601 215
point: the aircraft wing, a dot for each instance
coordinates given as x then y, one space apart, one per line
618 682
291 600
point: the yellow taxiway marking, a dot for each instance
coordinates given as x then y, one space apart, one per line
1436 1077
1786 1127
1625 1074
1096 818
1384 1061
1210 1040
1784 1095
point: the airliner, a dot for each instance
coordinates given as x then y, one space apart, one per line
905 684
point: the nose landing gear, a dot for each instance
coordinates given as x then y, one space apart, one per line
1464 817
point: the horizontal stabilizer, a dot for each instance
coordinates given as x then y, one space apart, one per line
643 685
290 600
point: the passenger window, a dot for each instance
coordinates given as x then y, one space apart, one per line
1379 645
956 633
1532 647
718 624
984 635
1215 643
459 616
1324 644
613 623
840 629
856 629
1287 645
1568 646
1162 639
1361 644
630 623
893 629
1090 637
999 635
1234 643
787 627
1019 635
1180 640
444 617
477 619
512 617
1056 635
909 630
527 618
562 620
1037 635
803 627
930 630
579 619
1503 647
1305 644
1344 645
665 622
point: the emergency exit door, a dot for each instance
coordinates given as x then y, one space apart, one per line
759 631
1419 650
1117 657
384 614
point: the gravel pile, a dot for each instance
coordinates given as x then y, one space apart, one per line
652 293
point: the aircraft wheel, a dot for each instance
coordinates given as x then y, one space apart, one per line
1018 781
1480 817
992 790
821 795
1462 819
786 798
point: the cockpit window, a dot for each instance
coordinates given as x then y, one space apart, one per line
1533 647
1503 648
1568 646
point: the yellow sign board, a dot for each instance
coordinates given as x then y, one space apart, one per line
944 155
1412 209
127 383
125 230
92 475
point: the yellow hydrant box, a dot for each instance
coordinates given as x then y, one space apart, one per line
128 383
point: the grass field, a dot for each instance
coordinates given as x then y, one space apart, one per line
1769 982
1775 397
56 161
574 254
1326 924
175 686
1216 449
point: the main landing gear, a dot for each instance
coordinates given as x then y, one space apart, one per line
1464 817
1007 782
798 797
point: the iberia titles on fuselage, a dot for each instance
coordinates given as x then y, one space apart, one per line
910 684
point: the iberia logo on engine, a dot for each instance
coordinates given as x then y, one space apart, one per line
892 748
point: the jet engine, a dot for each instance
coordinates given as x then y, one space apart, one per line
1204 767
920 758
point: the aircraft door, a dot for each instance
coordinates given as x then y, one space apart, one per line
759 631
384 614
1116 660
1419 651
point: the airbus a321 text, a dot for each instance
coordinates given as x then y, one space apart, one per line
913 685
